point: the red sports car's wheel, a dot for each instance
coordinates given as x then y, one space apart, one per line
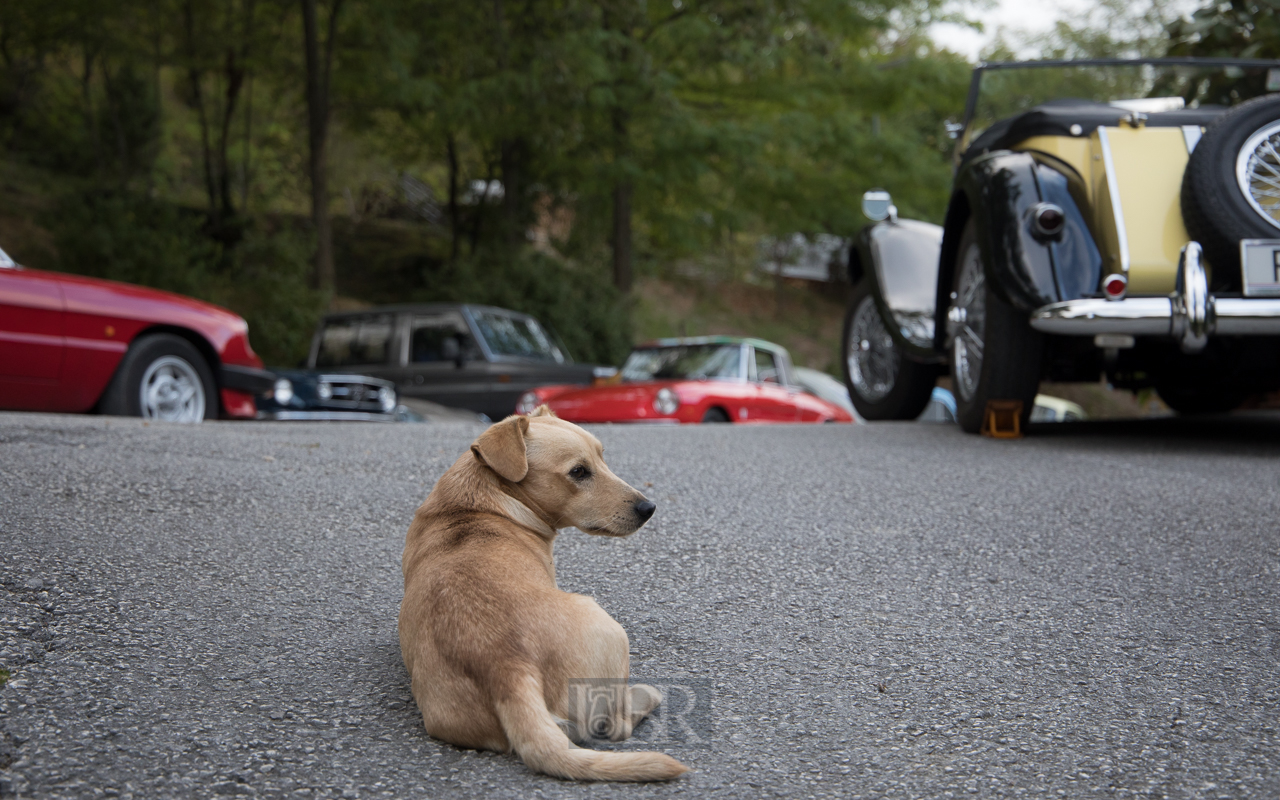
715 415
162 377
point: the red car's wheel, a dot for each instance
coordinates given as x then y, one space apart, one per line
715 415
162 377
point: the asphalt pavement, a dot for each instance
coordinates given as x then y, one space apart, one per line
893 610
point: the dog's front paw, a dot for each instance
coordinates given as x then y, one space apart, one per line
644 699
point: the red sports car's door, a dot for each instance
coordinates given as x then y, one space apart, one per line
32 339
773 402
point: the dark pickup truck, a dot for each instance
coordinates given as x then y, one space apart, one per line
460 355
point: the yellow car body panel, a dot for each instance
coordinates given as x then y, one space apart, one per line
1146 167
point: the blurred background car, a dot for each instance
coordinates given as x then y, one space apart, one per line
457 355
73 343
820 384
1056 409
942 408
304 395
702 379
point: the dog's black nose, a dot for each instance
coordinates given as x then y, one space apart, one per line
645 509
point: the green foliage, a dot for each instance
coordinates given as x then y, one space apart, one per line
1236 28
269 284
126 236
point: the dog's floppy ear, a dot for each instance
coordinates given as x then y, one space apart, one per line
501 448
543 410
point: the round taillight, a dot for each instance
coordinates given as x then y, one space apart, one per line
1048 219
1114 286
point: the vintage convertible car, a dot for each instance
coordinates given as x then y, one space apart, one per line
691 380
1107 217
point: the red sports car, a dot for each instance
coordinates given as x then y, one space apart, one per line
706 379
71 343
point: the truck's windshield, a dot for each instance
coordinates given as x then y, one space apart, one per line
520 336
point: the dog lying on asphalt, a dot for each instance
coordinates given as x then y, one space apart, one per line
491 645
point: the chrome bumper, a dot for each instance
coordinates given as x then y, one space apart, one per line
1190 315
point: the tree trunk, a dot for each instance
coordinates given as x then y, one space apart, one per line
235 74
196 77
622 235
513 161
246 155
318 134
451 148
621 206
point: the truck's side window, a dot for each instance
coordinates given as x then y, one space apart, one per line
440 337
350 341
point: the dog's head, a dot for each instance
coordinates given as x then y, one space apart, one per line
560 467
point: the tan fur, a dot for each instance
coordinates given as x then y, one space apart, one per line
490 643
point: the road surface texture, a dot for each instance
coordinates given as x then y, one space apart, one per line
894 610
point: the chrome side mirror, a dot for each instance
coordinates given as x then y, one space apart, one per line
878 205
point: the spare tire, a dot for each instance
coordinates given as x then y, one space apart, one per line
1231 188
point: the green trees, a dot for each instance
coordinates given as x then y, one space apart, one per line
1235 28
615 138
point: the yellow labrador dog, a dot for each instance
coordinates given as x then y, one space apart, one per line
490 643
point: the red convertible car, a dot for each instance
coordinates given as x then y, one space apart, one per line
71 343
706 379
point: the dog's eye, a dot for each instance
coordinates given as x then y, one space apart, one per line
579 473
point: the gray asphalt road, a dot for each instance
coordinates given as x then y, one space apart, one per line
880 611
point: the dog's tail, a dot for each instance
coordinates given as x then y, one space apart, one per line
534 734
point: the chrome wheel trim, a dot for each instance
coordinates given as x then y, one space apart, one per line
1258 172
870 353
966 324
171 391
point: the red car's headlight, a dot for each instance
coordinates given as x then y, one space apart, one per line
666 402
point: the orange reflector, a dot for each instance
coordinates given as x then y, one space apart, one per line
1002 419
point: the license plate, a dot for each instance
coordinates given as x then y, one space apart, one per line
1260 260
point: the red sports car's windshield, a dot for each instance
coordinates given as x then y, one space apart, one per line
690 362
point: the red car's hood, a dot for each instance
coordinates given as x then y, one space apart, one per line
96 297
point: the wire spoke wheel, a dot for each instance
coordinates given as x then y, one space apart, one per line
967 322
1258 172
171 391
872 357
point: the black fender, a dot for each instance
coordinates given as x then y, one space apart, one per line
899 257
998 190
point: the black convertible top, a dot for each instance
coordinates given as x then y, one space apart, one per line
1056 118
